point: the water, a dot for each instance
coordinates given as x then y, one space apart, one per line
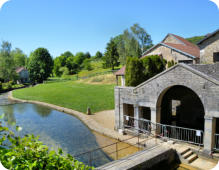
56 129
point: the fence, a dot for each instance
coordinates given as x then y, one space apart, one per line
192 136
143 124
216 136
113 151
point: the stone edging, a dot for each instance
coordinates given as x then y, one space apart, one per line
89 122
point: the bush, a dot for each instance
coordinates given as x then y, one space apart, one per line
140 70
8 85
170 63
29 153
134 72
0 86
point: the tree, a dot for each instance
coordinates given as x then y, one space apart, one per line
40 65
140 70
142 36
19 57
134 72
71 65
7 68
133 42
98 55
111 55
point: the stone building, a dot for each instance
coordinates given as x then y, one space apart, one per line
23 75
182 101
176 48
209 48
172 48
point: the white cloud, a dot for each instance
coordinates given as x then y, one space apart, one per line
216 2
2 2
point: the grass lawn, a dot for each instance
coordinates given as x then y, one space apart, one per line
71 94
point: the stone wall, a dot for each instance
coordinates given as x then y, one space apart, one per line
150 93
207 48
168 54
172 39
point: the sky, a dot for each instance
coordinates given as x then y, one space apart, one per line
87 25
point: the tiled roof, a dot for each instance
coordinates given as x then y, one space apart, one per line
186 42
185 48
19 69
211 70
120 72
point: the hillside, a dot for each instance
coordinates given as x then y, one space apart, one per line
195 39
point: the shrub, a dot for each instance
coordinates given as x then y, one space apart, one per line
140 70
170 63
0 86
134 72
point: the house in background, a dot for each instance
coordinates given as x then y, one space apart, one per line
175 48
23 75
209 48
172 48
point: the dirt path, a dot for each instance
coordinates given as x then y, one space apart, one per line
105 118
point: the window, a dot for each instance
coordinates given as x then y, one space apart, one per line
216 57
185 61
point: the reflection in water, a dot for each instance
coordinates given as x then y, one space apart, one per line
9 117
56 129
42 111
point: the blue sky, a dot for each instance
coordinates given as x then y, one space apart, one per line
87 25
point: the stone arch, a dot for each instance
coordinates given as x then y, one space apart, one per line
189 107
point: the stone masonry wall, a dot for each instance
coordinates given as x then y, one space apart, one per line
169 54
208 48
172 39
148 94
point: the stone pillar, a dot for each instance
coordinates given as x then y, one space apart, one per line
209 141
155 118
117 108
123 80
136 116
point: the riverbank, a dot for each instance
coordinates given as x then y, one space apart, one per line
86 119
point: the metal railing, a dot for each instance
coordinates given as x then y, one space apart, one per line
111 152
216 147
188 135
144 125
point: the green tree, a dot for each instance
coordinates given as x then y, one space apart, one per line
19 57
140 70
134 72
142 36
111 55
98 55
40 65
7 67
133 42
86 64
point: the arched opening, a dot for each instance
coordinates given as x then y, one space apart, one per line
181 106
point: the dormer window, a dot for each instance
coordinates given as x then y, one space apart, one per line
216 57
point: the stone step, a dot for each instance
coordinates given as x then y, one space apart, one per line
184 150
192 158
187 154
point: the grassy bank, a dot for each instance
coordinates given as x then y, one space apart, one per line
70 94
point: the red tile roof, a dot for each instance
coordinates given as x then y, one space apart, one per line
187 49
186 42
120 72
